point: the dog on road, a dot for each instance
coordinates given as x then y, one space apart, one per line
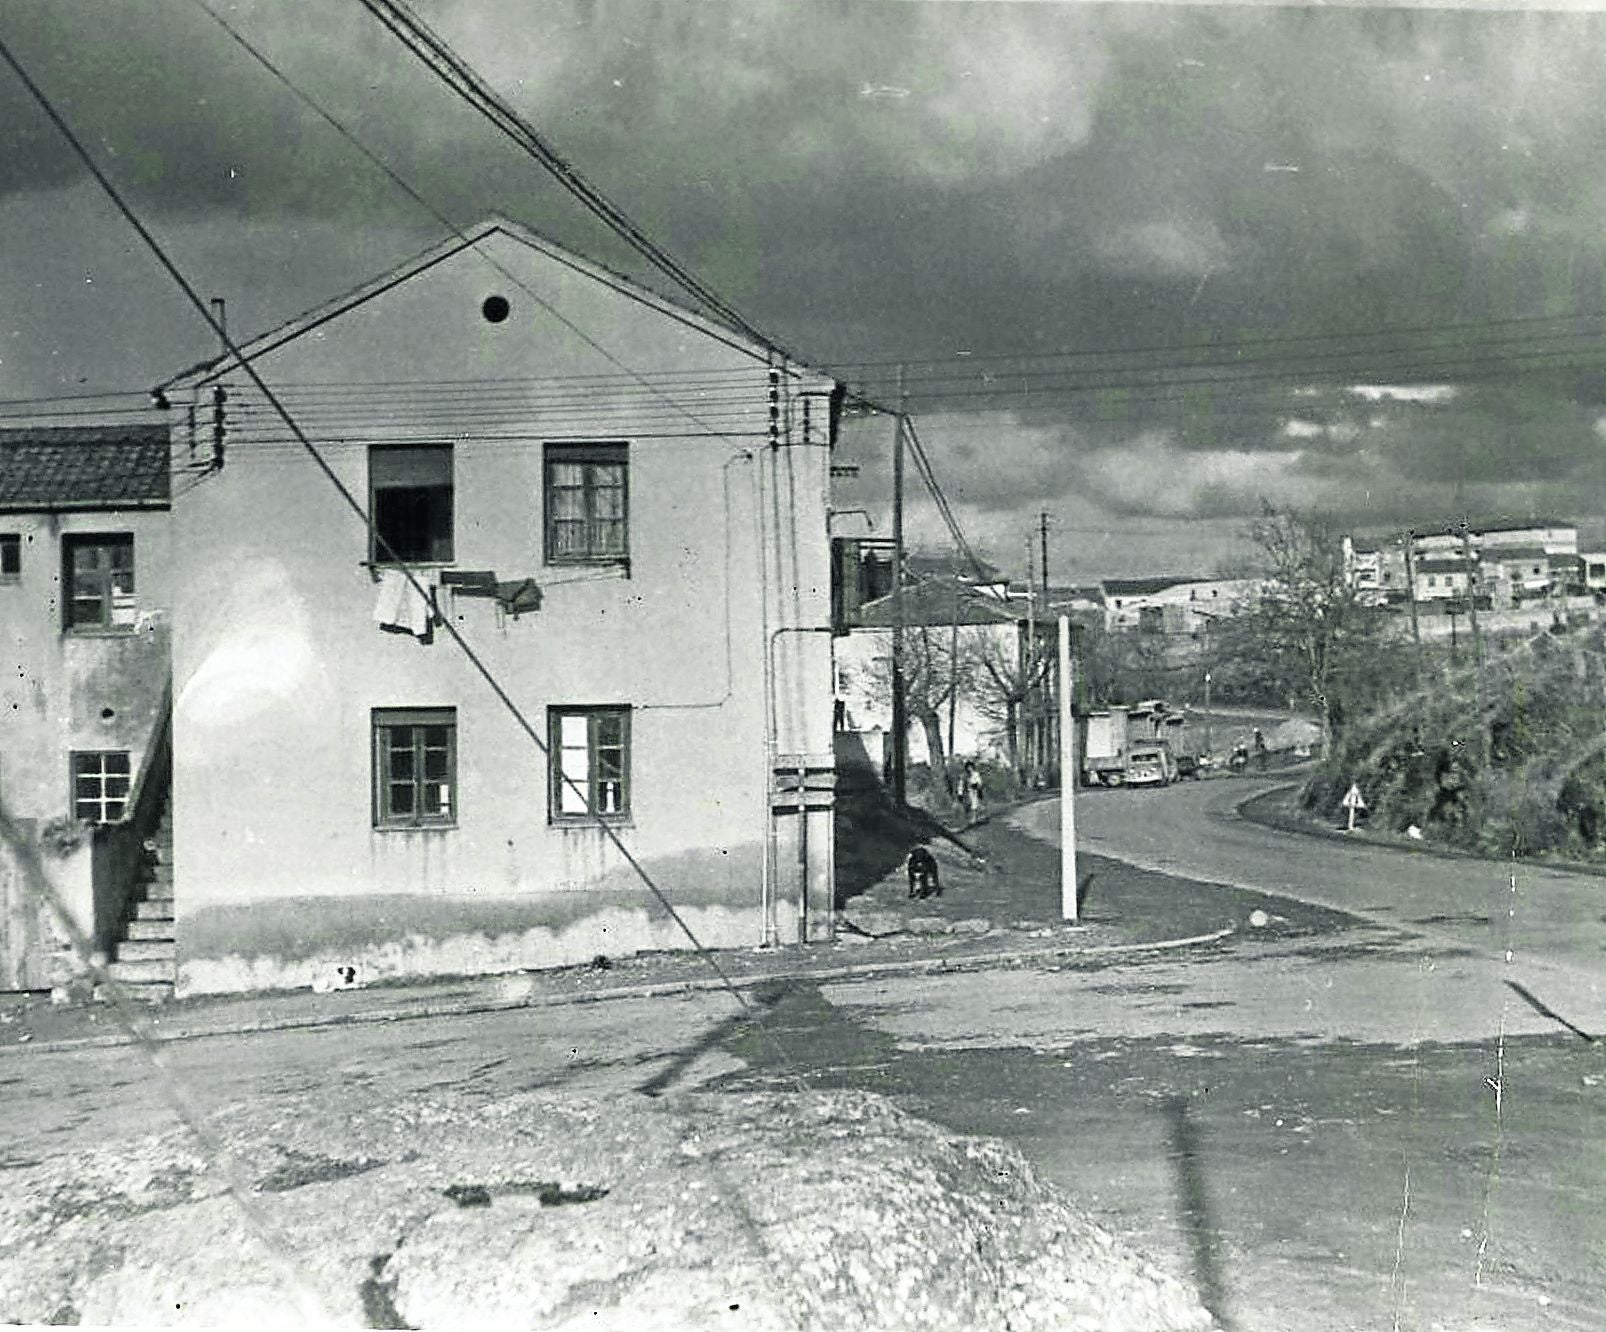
923 876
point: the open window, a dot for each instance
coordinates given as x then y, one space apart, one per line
98 580
410 499
590 749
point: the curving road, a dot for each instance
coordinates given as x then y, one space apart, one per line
1546 929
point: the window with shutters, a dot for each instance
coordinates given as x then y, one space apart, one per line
587 504
410 501
415 767
590 753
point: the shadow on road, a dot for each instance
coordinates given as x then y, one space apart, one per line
1193 1205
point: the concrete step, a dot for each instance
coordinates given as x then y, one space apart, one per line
149 992
158 910
162 871
144 972
159 890
146 950
150 931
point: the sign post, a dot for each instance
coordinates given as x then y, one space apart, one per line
1353 804
1068 907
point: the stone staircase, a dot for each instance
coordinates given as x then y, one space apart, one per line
144 961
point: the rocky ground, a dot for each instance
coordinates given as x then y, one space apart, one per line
696 1210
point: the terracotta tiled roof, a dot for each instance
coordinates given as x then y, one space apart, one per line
84 467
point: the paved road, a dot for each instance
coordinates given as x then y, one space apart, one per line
1350 1127
1553 923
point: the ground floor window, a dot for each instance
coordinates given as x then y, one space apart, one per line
415 767
10 556
100 781
590 762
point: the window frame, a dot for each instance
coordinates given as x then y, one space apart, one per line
106 595
10 554
593 714
442 550
383 723
76 774
589 455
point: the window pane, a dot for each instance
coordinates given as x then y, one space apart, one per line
10 555
116 762
610 728
401 797
437 800
401 761
567 474
435 765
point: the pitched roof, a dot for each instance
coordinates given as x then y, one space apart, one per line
468 240
1140 587
1498 553
85 467
931 602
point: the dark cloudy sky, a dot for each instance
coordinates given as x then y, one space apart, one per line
1348 258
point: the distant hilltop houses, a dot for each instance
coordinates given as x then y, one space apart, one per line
1505 566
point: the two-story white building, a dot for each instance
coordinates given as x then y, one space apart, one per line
569 691
85 587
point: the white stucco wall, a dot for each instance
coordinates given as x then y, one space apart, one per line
278 661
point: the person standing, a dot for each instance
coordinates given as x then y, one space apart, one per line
973 791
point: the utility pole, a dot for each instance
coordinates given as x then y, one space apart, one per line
1479 731
1068 763
1410 592
1472 599
900 737
1050 719
953 689
1028 723
1042 527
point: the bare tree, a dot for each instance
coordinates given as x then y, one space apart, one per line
932 673
1008 672
1309 628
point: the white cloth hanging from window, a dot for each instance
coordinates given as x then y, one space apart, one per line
401 606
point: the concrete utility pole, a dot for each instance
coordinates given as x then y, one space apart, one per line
1068 885
900 725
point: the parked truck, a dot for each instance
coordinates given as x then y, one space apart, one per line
1141 744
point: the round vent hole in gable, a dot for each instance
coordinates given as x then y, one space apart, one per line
495 309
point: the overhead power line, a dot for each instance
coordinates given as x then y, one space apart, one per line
1177 350
456 73
202 308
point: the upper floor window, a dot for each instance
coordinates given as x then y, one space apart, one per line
10 557
587 504
98 580
415 767
100 785
590 751
410 501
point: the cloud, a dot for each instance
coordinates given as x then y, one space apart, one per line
1171 248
